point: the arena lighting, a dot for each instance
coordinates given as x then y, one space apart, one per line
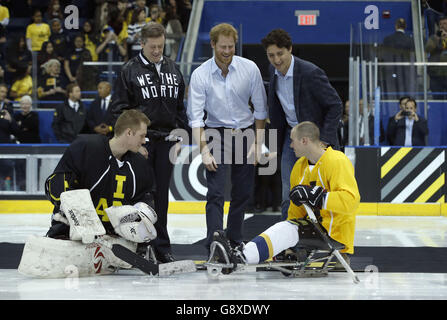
307 17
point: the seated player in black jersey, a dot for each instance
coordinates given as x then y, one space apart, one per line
111 169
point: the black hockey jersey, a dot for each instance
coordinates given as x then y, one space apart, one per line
158 95
88 163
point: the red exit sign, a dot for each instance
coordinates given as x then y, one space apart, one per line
307 17
307 20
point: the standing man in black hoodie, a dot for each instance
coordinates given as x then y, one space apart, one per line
153 83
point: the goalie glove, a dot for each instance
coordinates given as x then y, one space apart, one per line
312 195
134 223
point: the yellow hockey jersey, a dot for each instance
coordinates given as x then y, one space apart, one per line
335 173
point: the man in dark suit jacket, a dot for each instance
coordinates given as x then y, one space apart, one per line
298 91
96 115
398 47
406 128
70 117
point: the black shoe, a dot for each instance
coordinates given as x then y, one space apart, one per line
232 253
165 257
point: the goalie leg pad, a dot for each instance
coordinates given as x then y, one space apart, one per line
44 257
132 224
77 207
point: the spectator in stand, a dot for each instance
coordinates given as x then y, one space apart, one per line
8 125
59 38
4 21
74 59
96 115
4 101
23 85
133 31
4 15
125 12
101 15
52 85
37 32
407 128
54 11
184 10
436 49
70 117
8 128
90 38
156 14
174 30
142 5
110 44
17 54
47 53
27 122
361 133
117 21
433 10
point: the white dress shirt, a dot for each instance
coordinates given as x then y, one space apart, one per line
74 105
225 99
107 101
284 90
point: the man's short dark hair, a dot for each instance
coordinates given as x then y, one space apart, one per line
412 100
443 18
278 37
402 99
70 87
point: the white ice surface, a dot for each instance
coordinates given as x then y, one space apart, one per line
183 228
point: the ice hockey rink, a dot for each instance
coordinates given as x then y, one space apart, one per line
378 231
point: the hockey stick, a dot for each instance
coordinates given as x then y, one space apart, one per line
163 269
314 220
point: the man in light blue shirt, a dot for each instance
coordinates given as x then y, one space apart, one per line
225 86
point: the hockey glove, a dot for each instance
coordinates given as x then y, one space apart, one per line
312 195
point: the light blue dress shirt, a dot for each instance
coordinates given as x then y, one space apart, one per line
225 99
284 90
408 132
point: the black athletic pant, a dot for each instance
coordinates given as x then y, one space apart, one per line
158 159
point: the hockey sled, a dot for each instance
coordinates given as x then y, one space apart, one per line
311 257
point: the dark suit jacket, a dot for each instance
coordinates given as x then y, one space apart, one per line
396 132
28 127
7 127
315 100
68 124
95 115
399 40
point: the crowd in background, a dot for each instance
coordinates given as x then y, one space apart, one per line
108 30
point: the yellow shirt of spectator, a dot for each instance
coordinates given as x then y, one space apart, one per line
38 33
23 86
4 13
335 173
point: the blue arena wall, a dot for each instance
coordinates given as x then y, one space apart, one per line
258 18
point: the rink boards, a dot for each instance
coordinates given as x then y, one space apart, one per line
392 181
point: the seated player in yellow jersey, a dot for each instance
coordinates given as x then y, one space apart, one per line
322 179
